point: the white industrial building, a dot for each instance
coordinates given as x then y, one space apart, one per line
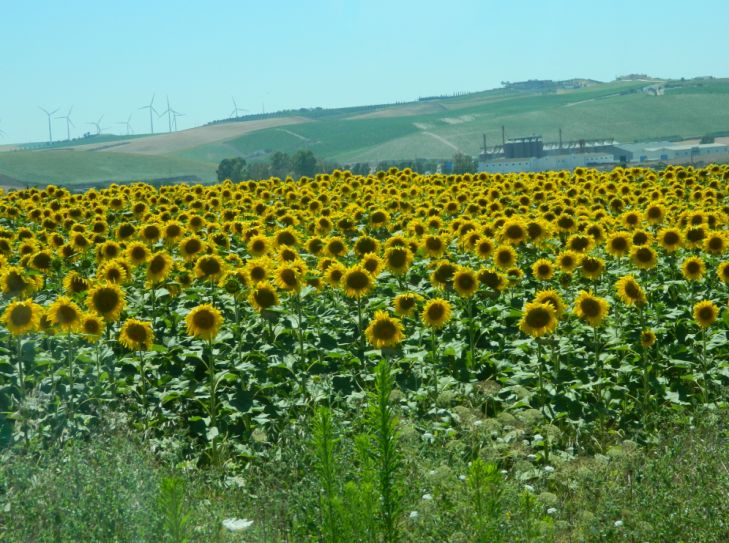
545 163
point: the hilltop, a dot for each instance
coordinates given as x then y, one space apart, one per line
629 109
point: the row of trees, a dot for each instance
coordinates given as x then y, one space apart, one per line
305 163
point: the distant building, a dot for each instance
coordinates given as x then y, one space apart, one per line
545 163
673 153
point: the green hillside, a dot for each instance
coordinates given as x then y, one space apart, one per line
432 128
81 167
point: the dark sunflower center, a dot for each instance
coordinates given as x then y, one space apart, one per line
632 290
706 314
365 245
157 264
42 261
385 330
466 281
264 298
357 280
436 312
693 267
204 320
139 253
21 315
640 238
285 238
137 333
193 246
538 317
444 273
590 307
504 257
671 238
406 303
619 244
105 300
335 247
644 255
591 265
288 276
210 266
397 258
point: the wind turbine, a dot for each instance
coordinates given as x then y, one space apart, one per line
151 110
176 114
169 112
97 124
128 124
236 109
50 129
69 123
2 132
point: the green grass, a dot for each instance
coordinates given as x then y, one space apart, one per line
80 167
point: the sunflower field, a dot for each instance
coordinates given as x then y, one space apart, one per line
221 311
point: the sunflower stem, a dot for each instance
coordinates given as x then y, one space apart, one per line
433 354
705 368
69 360
360 330
212 406
143 378
21 372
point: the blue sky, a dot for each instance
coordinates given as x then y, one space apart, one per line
108 58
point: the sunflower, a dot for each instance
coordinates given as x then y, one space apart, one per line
137 253
159 267
263 296
172 231
259 269
405 304
357 281
91 326
106 299
715 243
553 298
693 268
365 245
372 263
543 269
514 231
315 246
191 247
590 308
592 267
434 245
289 276
41 261
203 322
108 250
630 292
538 319
335 247
75 283
670 239
150 233
436 313
334 274
286 236
17 283
465 282
259 246
647 338
504 257
64 314
723 272
618 244
384 331
136 335
484 248
209 268
442 275
580 243
234 281
112 272
22 317
568 260
493 279
705 313
398 259
643 257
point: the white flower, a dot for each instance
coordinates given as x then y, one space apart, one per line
237 524
551 511
531 457
538 437
549 469
427 436
413 515
462 477
530 488
618 523
427 497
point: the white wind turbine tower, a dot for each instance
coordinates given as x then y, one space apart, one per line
236 109
169 112
69 123
50 129
151 109
176 114
128 124
97 124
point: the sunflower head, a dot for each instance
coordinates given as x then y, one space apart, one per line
630 292
289 276
618 244
543 269
92 327
553 298
538 319
693 268
22 317
705 313
405 304
723 272
159 267
357 281
647 338
75 283
384 331
590 308
204 322
398 259
263 296
137 253
465 282
442 275
643 257
107 300
436 313
504 257
209 268
136 335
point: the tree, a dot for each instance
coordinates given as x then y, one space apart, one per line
303 163
280 164
234 169
259 170
463 164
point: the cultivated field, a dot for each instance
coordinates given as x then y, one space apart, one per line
511 322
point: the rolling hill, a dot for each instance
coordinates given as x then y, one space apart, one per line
429 128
